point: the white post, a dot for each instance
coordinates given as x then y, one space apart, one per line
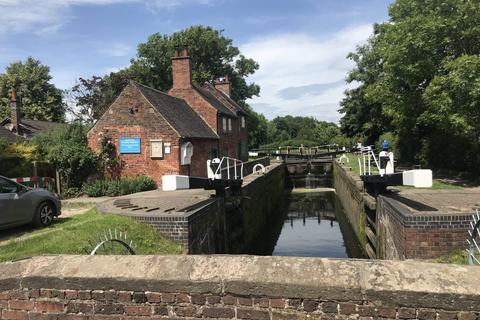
359 165
369 170
228 168
235 169
364 171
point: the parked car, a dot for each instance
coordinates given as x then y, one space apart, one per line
22 205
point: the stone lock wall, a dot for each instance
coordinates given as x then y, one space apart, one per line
235 287
349 189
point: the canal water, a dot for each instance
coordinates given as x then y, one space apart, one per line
312 224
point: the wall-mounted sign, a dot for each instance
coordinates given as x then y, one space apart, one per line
130 145
156 148
168 148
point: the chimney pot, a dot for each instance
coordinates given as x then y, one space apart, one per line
224 85
15 112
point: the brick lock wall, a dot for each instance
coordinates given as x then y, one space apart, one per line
75 304
146 123
423 236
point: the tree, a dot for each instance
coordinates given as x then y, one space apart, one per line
90 98
67 148
453 113
396 69
257 128
41 100
362 110
212 56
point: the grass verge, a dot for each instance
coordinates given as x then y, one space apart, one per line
73 235
454 257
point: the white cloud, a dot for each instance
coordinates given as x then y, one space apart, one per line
300 60
116 50
47 16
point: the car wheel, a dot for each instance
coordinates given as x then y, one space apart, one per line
44 214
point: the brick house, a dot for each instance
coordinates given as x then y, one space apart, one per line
16 128
162 126
156 133
214 105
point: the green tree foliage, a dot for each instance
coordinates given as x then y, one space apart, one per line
66 148
293 131
90 98
41 100
257 128
410 64
212 56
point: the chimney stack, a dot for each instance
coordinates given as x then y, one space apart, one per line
181 71
15 112
224 85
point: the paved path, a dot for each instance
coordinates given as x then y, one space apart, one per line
441 201
155 202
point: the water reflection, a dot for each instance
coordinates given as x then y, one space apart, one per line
312 223
312 227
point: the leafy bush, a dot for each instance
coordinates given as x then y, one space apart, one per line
120 187
70 193
97 188
67 148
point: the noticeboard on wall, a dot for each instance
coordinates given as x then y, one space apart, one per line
130 145
156 148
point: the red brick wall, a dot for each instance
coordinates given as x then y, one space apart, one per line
419 236
146 123
201 153
115 305
229 140
432 243
194 100
181 72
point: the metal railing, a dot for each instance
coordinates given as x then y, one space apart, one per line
227 164
474 236
365 164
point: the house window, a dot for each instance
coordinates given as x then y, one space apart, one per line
224 121
229 125
243 121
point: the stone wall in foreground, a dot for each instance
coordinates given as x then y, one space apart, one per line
235 287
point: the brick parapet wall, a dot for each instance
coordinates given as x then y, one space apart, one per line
240 287
419 235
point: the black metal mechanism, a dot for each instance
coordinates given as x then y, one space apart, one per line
377 184
218 185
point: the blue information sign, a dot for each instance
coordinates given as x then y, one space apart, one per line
129 145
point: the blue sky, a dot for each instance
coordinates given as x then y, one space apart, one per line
301 45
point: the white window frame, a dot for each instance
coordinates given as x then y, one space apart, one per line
224 122
229 125
243 121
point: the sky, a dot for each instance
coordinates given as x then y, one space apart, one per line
301 45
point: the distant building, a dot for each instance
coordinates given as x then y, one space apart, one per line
156 133
16 127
